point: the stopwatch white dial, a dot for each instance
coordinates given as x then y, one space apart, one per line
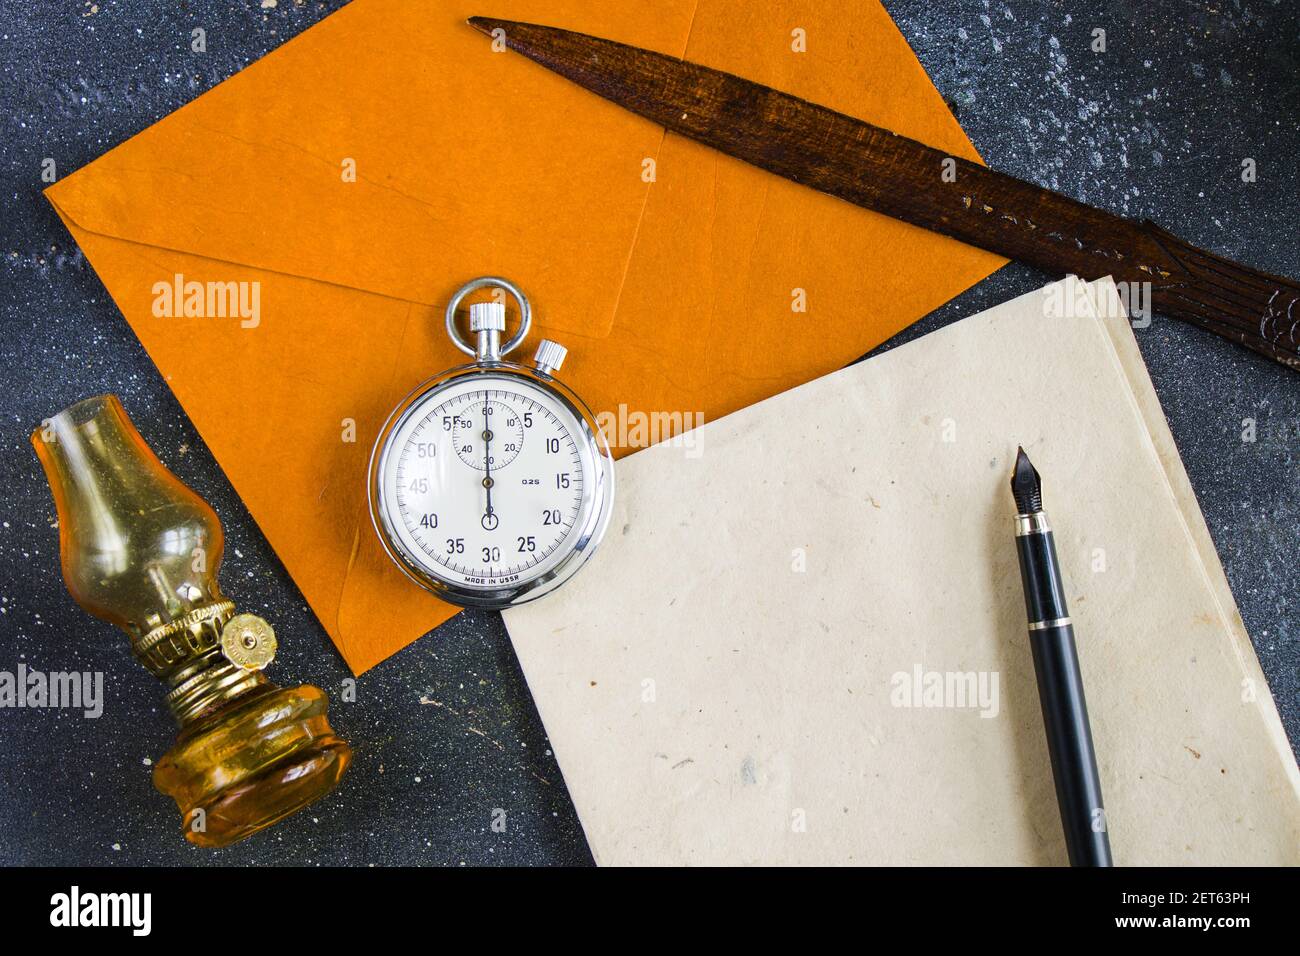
483 481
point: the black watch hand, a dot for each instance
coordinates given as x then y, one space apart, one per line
487 458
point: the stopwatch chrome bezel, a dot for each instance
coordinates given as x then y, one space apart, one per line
590 525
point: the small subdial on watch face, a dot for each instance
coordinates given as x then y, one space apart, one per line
487 434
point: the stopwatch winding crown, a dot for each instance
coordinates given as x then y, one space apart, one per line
487 317
487 320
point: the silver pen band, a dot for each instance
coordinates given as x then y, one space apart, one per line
1035 523
1044 625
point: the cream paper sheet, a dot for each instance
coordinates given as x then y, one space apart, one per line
729 681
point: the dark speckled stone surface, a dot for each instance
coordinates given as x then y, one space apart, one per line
445 732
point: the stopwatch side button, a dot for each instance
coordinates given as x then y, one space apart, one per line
549 357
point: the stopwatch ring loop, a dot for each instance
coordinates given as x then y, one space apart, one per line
525 312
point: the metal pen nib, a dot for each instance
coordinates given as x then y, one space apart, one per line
1026 486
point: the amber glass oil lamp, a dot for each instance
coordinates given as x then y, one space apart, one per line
141 550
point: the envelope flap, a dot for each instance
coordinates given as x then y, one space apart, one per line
341 172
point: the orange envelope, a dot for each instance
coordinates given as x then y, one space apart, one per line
349 182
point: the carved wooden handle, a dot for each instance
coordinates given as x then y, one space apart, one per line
878 169
1255 309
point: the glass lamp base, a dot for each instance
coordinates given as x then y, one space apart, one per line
251 763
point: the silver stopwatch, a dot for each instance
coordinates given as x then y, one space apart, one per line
491 484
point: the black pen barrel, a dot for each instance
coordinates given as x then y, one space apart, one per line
1065 710
1069 742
